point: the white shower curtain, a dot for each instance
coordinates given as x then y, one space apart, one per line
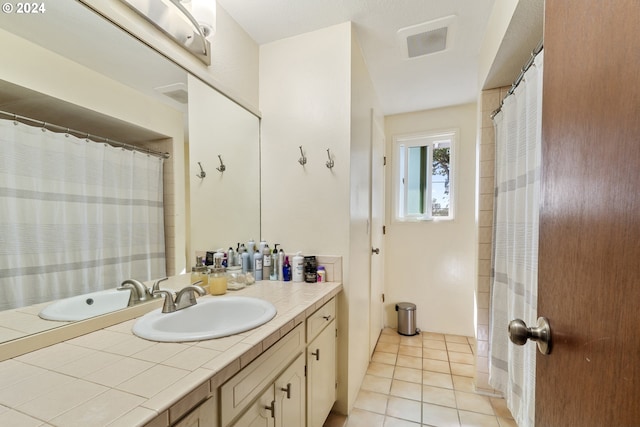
75 216
514 285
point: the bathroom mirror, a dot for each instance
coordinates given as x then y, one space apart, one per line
70 29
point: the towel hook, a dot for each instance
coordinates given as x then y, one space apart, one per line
302 160
222 167
329 163
202 173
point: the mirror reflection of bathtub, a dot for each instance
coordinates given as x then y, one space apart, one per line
32 92
81 307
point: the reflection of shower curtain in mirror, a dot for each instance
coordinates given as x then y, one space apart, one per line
75 216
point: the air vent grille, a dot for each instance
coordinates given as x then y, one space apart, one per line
427 43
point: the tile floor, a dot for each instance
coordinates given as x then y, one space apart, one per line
424 380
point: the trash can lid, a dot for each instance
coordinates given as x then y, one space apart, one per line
405 306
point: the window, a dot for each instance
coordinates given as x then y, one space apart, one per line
423 177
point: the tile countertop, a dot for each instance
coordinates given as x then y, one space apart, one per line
111 377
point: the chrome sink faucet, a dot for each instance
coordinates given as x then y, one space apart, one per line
186 297
139 292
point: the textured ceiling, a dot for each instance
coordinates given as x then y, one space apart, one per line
402 85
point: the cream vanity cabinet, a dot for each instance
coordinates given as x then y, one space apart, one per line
321 364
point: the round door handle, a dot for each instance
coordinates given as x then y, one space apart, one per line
375 251
519 333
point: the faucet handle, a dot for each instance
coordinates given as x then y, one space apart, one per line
169 306
156 287
188 293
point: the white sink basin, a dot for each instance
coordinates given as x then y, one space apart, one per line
209 318
85 306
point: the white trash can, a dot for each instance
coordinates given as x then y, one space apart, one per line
406 318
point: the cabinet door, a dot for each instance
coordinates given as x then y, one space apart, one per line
259 414
205 415
321 376
290 395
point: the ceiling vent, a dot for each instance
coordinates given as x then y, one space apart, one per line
177 92
428 38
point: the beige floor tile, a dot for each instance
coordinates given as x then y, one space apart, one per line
407 350
389 331
456 338
405 409
474 402
395 422
388 338
462 383
388 358
466 358
435 415
507 422
409 362
407 390
370 401
438 396
429 353
500 407
360 418
435 345
15 418
432 336
473 419
380 370
376 384
414 341
437 379
459 348
436 366
386 347
408 374
463 370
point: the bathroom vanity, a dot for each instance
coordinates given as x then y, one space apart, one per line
279 374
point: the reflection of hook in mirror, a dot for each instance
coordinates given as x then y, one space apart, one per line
302 160
202 173
330 163
222 167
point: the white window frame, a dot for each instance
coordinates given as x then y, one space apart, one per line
400 144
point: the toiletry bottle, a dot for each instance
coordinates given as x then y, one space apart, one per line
297 268
310 269
200 273
322 274
261 245
251 249
274 263
246 260
257 265
280 265
231 257
286 270
266 262
218 278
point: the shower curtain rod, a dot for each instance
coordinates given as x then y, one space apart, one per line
87 136
517 81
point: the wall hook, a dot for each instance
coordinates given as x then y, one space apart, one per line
330 162
202 173
222 167
302 160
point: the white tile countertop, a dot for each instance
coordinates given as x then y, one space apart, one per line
111 377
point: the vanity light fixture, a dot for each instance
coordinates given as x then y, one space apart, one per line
177 22
330 163
302 160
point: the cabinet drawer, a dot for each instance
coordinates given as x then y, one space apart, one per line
320 319
240 390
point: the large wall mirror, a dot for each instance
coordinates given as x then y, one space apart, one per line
120 89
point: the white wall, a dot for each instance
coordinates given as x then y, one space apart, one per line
315 92
433 264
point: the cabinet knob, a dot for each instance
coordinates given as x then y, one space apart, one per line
316 353
287 389
327 318
272 408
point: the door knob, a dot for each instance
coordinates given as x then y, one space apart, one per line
375 251
519 333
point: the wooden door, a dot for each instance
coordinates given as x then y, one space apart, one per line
377 238
589 254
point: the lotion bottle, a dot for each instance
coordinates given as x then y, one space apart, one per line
266 263
257 265
297 267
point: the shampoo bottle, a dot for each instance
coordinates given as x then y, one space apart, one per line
286 270
251 249
246 260
257 265
274 263
266 262
281 265
297 268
